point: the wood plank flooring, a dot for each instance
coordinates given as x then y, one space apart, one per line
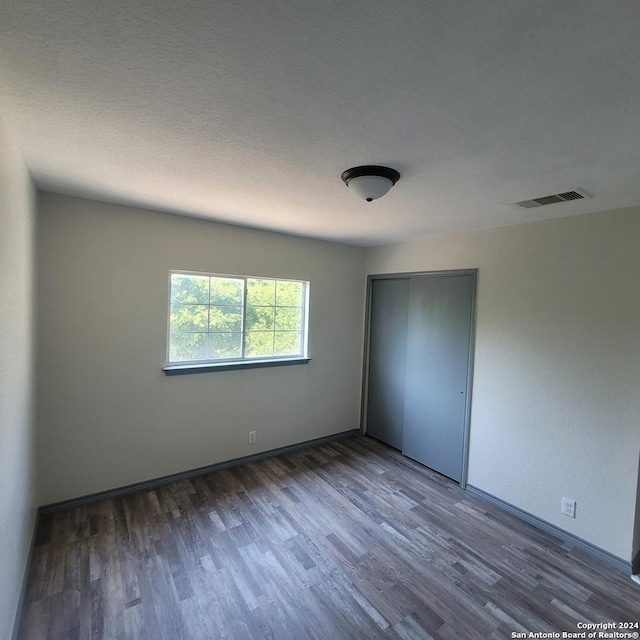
345 540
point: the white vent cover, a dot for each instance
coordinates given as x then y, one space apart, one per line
565 196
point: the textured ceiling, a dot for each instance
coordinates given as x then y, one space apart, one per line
248 112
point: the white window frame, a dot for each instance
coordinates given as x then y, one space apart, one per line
304 338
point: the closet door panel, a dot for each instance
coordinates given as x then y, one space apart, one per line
437 361
387 360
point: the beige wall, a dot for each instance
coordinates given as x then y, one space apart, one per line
17 460
108 415
557 365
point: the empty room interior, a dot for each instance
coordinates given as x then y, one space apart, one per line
319 319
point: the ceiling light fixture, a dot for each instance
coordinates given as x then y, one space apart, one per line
370 182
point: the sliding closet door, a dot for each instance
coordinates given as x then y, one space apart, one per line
387 360
437 364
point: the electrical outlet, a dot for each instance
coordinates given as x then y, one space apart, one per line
568 507
252 437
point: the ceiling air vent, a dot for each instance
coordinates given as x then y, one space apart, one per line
566 196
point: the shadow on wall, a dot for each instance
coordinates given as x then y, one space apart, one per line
635 555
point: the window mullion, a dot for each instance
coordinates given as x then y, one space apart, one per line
209 322
244 318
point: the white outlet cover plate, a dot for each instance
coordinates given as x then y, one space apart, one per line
568 507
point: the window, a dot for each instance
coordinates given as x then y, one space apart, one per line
220 318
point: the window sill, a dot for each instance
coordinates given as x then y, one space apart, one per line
183 369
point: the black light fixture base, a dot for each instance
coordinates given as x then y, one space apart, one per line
370 170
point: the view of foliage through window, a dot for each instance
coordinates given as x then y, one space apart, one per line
211 320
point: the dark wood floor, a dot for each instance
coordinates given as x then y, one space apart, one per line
345 540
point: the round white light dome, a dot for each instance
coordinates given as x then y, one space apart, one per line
370 187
